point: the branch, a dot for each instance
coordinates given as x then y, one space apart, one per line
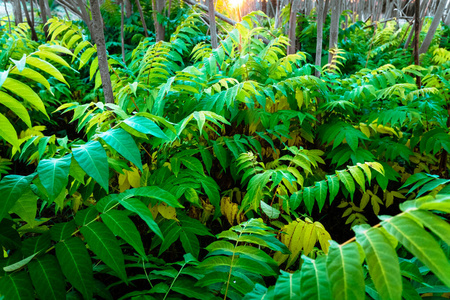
219 15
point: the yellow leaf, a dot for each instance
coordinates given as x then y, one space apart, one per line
153 210
364 129
364 200
168 212
123 182
134 178
347 212
389 198
310 239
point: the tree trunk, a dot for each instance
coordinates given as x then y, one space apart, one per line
295 7
97 26
122 39
334 27
43 16
434 25
138 4
416 40
212 24
158 6
17 12
128 8
319 20
9 19
29 21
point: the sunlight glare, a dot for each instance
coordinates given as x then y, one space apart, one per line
235 3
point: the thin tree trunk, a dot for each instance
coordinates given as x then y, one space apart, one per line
128 8
334 27
97 25
158 6
212 24
325 10
122 38
29 21
9 19
434 25
44 17
318 61
138 4
17 12
416 40
295 7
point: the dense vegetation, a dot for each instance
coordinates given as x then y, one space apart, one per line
232 172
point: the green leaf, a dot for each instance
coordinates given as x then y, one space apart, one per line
382 260
54 174
46 67
171 232
435 223
86 216
348 182
145 126
119 223
189 242
139 208
421 244
47 278
11 189
320 192
308 198
359 176
76 265
62 231
16 107
333 186
186 288
16 286
25 92
193 164
345 272
157 193
8 132
314 283
26 206
18 265
93 160
104 244
122 142
270 211
221 154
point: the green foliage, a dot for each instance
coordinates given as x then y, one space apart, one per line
176 189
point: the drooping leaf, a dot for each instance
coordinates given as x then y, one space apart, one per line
314 283
104 244
382 260
47 277
76 265
54 174
287 286
26 206
421 244
25 92
145 126
8 133
93 160
345 271
16 286
320 192
119 223
333 186
11 188
139 208
348 182
122 142
16 107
